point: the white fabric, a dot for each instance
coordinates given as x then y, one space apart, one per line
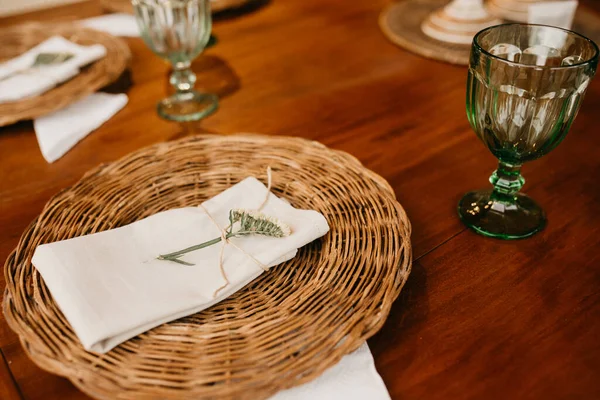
116 24
28 81
554 13
353 378
111 287
58 132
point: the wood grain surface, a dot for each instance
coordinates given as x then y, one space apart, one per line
478 318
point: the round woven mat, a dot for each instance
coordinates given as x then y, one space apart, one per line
16 40
124 6
401 23
283 329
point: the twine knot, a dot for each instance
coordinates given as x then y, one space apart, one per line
225 239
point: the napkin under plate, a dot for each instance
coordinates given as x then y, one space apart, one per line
59 131
554 13
19 80
118 24
353 378
111 287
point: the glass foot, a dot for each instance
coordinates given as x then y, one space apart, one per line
491 217
187 106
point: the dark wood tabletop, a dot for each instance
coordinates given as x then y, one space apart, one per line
479 318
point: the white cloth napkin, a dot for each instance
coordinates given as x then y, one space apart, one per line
353 378
111 287
116 24
58 132
554 13
28 81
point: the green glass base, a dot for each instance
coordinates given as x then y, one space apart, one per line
187 106
491 217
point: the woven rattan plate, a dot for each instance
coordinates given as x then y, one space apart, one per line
283 329
16 40
124 6
401 23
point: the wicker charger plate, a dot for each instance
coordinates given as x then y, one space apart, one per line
124 6
401 23
283 329
16 40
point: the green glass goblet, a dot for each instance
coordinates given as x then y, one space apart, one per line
178 31
525 86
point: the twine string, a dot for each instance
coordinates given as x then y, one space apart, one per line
225 240
269 182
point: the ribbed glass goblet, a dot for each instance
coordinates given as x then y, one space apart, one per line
178 31
525 86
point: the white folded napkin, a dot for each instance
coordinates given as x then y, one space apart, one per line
353 378
119 24
111 287
58 132
18 80
553 13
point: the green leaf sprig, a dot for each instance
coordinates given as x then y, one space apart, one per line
245 222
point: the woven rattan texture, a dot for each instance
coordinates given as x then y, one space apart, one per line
124 6
283 329
401 23
16 40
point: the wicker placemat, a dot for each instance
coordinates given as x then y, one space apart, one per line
125 6
283 329
16 40
401 23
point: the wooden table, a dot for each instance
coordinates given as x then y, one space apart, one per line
478 318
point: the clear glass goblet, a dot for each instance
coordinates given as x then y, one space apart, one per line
525 86
178 31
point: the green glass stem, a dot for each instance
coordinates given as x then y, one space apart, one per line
502 212
507 181
182 77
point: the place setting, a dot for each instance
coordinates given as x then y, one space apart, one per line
52 74
251 292
278 239
443 30
75 62
55 74
244 265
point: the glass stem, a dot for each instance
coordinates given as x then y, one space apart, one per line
507 181
182 77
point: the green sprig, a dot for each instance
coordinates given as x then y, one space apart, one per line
247 222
